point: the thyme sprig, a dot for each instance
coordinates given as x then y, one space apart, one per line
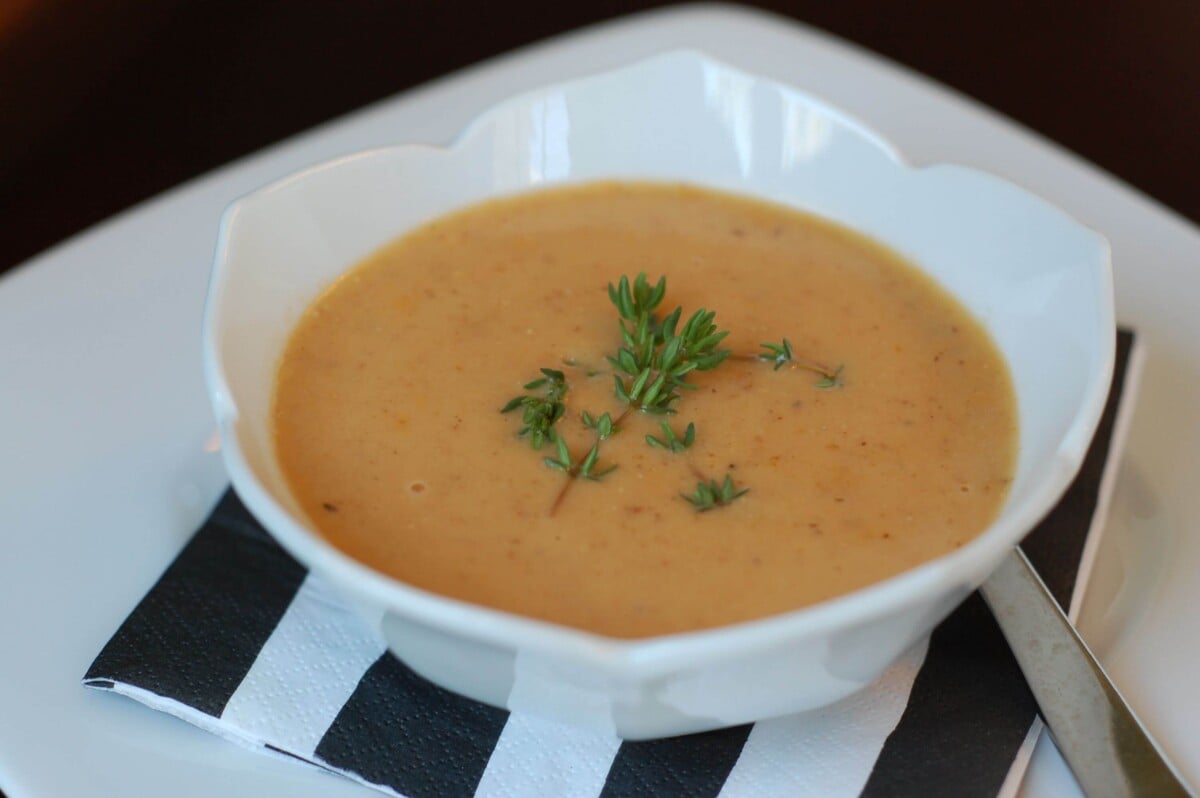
650 371
541 412
655 360
604 427
585 467
711 494
670 441
781 354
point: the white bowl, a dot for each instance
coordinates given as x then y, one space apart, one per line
1039 281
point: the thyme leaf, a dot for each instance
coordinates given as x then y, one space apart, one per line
604 426
779 354
833 380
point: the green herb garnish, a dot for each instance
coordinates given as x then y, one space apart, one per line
670 441
833 380
541 412
585 468
711 494
650 375
781 355
604 426
655 360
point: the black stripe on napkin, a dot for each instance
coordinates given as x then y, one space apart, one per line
970 709
196 633
967 715
404 732
695 765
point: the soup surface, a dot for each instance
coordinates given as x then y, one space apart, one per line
388 423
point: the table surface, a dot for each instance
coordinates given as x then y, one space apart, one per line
118 101
106 104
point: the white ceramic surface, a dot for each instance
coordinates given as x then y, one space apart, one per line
112 462
1038 280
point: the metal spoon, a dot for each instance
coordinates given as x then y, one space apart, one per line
1106 747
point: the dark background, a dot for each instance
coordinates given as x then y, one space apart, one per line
106 102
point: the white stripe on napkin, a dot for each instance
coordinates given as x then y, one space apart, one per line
542 757
828 752
305 672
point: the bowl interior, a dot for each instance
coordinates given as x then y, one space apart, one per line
1037 280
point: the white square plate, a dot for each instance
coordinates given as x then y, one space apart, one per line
109 457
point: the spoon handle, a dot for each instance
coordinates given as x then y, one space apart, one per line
1106 747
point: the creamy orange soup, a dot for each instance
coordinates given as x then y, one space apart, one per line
388 424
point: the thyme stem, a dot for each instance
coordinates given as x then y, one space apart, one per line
793 362
573 471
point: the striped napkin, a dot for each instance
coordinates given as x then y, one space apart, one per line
237 638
